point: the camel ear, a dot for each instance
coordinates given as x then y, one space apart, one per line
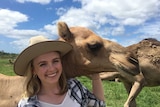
64 32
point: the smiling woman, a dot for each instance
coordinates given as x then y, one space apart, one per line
46 82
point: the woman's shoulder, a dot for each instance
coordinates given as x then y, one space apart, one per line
75 85
22 102
28 101
74 82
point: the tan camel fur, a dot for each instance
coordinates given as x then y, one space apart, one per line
11 89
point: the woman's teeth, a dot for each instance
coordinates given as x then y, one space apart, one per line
52 75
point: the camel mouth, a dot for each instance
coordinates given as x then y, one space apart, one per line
125 64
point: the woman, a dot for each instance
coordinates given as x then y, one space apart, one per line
46 84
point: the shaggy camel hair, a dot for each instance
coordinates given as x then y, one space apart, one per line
92 54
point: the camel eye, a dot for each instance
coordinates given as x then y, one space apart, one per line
94 47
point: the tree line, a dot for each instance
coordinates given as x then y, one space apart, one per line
7 55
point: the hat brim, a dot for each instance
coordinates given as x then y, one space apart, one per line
24 58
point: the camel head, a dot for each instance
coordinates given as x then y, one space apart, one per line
91 53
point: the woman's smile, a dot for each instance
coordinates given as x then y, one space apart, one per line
52 74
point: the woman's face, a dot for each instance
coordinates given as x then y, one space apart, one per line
48 67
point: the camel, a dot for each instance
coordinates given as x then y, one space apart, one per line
11 61
11 89
137 65
102 55
147 52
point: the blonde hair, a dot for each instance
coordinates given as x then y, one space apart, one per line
33 83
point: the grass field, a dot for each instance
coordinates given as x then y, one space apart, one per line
114 91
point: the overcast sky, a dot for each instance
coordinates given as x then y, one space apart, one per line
124 21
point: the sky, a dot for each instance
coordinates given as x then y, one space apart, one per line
124 21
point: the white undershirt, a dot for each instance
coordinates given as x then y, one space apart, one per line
67 102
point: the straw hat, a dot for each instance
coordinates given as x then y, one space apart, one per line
38 45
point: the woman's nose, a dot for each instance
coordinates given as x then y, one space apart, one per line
51 67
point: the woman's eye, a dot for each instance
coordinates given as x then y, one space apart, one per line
56 61
42 64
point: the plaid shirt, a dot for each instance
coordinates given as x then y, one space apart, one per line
79 93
